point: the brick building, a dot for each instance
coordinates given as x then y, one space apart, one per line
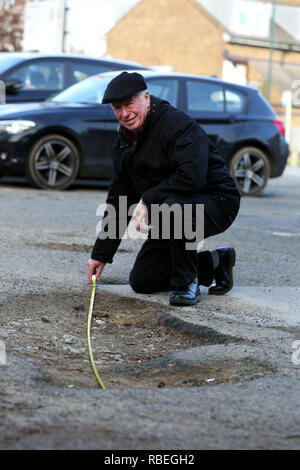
179 33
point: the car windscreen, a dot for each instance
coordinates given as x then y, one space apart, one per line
7 61
90 90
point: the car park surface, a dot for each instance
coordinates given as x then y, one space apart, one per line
71 134
237 389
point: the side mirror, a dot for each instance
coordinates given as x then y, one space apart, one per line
13 86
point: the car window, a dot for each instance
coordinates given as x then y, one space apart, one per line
90 90
42 75
203 96
164 88
81 70
235 101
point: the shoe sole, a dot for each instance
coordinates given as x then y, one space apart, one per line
232 259
185 302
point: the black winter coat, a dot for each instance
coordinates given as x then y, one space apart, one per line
171 156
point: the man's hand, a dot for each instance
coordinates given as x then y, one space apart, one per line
94 267
140 215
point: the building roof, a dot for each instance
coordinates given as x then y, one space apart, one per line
249 22
283 74
282 40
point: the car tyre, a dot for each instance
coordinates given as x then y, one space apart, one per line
250 169
53 163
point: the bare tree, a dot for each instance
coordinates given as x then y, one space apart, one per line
11 24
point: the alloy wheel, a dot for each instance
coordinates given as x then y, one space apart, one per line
250 169
53 163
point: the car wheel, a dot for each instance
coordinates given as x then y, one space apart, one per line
53 163
250 169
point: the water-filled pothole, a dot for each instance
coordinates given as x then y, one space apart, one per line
133 342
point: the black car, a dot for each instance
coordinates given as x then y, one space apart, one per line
31 76
71 134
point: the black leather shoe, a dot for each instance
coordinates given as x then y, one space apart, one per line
186 295
223 273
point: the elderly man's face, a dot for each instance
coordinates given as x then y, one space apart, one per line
131 113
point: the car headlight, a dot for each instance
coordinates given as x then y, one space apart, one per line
16 126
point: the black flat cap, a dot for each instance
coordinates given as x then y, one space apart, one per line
124 86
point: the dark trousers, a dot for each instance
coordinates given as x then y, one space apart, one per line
163 264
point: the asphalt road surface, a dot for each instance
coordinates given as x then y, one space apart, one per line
221 375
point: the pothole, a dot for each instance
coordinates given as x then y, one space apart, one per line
133 343
175 374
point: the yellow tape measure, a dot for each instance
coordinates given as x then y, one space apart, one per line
89 332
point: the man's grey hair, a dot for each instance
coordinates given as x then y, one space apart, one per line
141 93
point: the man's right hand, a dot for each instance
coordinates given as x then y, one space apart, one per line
94 267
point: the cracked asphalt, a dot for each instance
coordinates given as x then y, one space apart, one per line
221 375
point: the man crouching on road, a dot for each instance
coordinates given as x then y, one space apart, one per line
162 156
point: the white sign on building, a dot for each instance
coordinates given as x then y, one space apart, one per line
71 25
43 26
